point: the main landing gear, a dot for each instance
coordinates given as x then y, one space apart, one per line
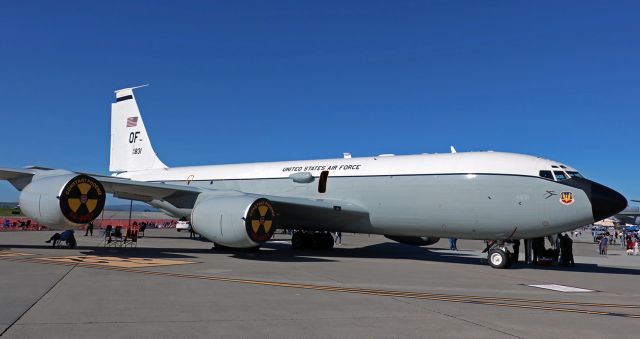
499 255
312 240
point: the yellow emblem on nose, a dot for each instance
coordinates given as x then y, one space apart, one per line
566 198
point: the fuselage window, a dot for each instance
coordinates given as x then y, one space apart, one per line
575 174
546 175
322 183
560 175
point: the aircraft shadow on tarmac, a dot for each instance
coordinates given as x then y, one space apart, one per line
282 252
405 252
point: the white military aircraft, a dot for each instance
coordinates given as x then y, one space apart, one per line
411 199
630 215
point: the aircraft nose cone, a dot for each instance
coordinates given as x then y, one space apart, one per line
605 202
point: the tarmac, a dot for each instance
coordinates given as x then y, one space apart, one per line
171 286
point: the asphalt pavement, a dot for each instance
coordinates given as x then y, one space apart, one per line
171 286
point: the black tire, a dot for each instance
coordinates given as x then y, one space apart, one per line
316 241
509 259
298 241
498 259
328 241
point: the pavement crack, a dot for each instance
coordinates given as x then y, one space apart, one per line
456 318
38 300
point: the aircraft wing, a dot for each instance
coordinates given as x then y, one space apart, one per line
293 212
19 178
629 214
318 214
179 196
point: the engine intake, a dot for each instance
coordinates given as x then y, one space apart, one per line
238 221
63 200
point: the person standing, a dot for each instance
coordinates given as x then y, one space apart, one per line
89 229
516 250
604 243
538 249
629 245
192 232
453 244
338 239
567 252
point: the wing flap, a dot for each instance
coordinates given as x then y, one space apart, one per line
178 196
319 214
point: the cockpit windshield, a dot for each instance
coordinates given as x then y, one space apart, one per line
546 175
574 174
560 175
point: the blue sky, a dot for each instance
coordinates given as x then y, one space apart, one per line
260 81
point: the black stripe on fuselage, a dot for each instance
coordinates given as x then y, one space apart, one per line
364 176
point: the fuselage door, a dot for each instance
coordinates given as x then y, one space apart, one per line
322 183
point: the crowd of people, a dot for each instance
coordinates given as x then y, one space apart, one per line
19 224
560 252
627 240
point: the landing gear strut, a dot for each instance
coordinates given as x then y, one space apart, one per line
499 255
312 240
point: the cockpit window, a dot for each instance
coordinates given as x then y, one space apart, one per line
574 174
560 175
546 175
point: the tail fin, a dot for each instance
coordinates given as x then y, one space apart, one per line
131 148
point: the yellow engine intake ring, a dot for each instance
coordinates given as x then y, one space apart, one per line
260 222
82 199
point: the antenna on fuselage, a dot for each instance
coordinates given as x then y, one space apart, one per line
453 149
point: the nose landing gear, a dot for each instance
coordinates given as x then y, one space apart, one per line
498 255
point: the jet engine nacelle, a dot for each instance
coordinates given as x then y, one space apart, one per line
415 241
238 221
62 199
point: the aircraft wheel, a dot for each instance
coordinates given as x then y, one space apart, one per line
498 258
328 240
509 259
298 240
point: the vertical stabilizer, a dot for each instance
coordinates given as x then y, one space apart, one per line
131 148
